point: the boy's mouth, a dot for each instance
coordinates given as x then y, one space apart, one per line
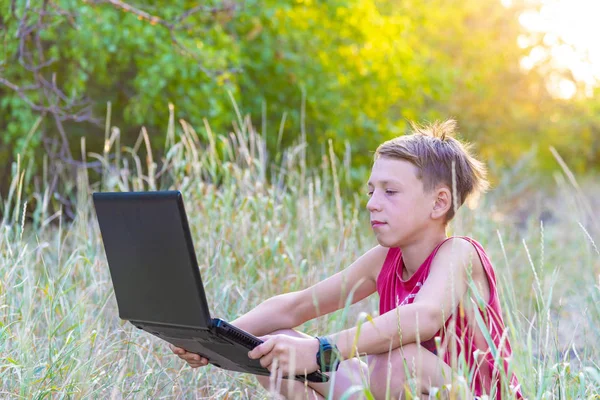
375 223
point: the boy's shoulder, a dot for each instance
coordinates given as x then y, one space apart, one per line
459 249
464 256
460 243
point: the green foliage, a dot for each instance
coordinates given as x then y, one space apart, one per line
354 71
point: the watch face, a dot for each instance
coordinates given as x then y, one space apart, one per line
328 357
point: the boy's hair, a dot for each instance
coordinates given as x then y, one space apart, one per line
435 152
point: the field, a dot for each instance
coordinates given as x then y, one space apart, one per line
265 225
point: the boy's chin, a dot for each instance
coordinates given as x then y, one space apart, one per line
386 241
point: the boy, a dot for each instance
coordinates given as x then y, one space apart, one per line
433 289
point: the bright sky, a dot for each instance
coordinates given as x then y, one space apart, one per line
572 30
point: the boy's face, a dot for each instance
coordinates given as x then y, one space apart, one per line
398 201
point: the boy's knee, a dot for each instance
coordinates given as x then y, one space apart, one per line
263 381
389 371
381 377
409 351
351 369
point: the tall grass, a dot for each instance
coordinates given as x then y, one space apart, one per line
262 227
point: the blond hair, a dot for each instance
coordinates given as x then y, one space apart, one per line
440 159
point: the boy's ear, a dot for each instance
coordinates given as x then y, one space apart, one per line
443 202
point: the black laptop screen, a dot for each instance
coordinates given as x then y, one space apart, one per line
151 258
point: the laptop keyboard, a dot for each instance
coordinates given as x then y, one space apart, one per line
200 339
241 339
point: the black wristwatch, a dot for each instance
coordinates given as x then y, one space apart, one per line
328 356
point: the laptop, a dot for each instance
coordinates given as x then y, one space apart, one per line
157 282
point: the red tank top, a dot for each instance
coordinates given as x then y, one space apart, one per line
460 337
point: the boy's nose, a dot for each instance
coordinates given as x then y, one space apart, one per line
373 204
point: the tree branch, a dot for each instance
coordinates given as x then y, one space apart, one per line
175 24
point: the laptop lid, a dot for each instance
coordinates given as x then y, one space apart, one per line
151 258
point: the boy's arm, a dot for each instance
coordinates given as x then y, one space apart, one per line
289 310
435 302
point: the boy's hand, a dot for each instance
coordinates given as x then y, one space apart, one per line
294 355
193 359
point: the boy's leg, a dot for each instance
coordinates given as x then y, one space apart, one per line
348 374
411 366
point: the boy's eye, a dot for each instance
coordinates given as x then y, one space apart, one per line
388 192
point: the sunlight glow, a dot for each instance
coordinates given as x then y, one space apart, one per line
571 29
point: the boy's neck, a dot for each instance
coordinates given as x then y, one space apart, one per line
414 254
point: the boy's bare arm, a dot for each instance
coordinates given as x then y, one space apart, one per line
289 310
270 315
292 309
435 302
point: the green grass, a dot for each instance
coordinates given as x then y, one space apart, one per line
60 335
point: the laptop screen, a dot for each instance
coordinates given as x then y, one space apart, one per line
151 258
